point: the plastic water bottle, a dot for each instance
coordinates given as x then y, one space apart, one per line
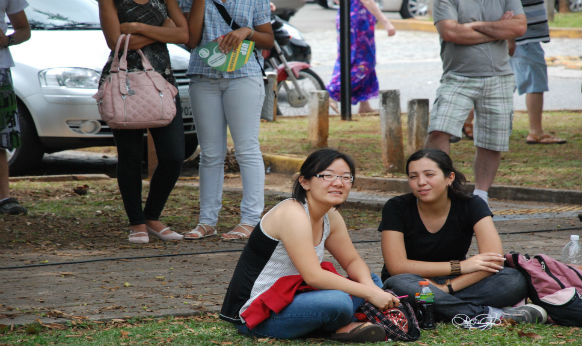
425 301
571 253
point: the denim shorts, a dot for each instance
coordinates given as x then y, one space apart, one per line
492 99
530 69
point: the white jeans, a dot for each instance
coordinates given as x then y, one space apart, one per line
237 103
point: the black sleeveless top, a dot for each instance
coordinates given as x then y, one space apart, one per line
153 12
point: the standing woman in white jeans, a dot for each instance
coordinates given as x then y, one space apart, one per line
233 99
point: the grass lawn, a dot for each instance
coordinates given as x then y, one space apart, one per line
209 330
567 20
561 20
542 166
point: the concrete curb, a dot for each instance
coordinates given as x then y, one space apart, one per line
63 177
288 165
428 26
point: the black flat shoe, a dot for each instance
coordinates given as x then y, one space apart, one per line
365 332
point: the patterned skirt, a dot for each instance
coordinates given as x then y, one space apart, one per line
9 124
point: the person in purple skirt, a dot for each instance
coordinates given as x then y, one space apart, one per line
363 16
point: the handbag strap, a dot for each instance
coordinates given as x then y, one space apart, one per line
115 63
121 66
234 25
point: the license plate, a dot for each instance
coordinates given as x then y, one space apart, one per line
186 110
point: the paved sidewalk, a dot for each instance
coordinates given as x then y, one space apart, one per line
191 276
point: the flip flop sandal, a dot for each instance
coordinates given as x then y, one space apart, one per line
200 231
240 232
11 206
544 139
365 332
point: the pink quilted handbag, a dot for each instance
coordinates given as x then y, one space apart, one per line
136 99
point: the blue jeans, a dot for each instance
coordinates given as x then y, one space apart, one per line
314 311
505 288
236 103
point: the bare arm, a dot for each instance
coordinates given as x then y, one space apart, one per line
474 269
142 34
503 29
174 30
292 226
463 34
195 23
21 30
486 263
372 6
342 249
261 34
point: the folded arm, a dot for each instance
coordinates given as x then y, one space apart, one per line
474 269
507 27
173 30
503 29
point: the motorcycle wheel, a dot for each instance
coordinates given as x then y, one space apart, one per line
308 81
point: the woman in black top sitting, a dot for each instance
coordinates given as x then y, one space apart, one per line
426 234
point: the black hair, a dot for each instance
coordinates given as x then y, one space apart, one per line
316 162
444 162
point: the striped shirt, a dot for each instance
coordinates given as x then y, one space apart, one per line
246 13
537 22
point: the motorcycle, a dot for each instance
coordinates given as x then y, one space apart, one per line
290 58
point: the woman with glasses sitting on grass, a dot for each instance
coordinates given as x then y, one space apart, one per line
281 288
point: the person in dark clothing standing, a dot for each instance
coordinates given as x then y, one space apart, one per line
152 24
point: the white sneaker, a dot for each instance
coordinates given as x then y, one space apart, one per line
529 313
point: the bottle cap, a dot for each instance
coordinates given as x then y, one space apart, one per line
423 283
574 237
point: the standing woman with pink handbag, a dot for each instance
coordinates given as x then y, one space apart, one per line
228 99
152 24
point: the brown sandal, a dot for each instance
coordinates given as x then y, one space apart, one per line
240 232
544 139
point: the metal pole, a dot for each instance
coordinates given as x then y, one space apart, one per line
345 63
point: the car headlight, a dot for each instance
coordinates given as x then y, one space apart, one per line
69 77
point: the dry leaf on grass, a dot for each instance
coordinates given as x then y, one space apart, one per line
533 336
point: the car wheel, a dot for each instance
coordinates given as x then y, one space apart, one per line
30 152
191 143
328 4
414 8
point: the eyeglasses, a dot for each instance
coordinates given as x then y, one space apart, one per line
346 179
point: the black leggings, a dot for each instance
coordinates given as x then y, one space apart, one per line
169 143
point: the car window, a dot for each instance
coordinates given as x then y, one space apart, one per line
63 15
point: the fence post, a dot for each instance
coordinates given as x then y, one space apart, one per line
391 131
417 124
318 124
550 9
269 110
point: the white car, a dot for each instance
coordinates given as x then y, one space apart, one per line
406 8
56 75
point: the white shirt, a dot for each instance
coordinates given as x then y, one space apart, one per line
8 7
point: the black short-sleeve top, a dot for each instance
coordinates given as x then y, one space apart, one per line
451 242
